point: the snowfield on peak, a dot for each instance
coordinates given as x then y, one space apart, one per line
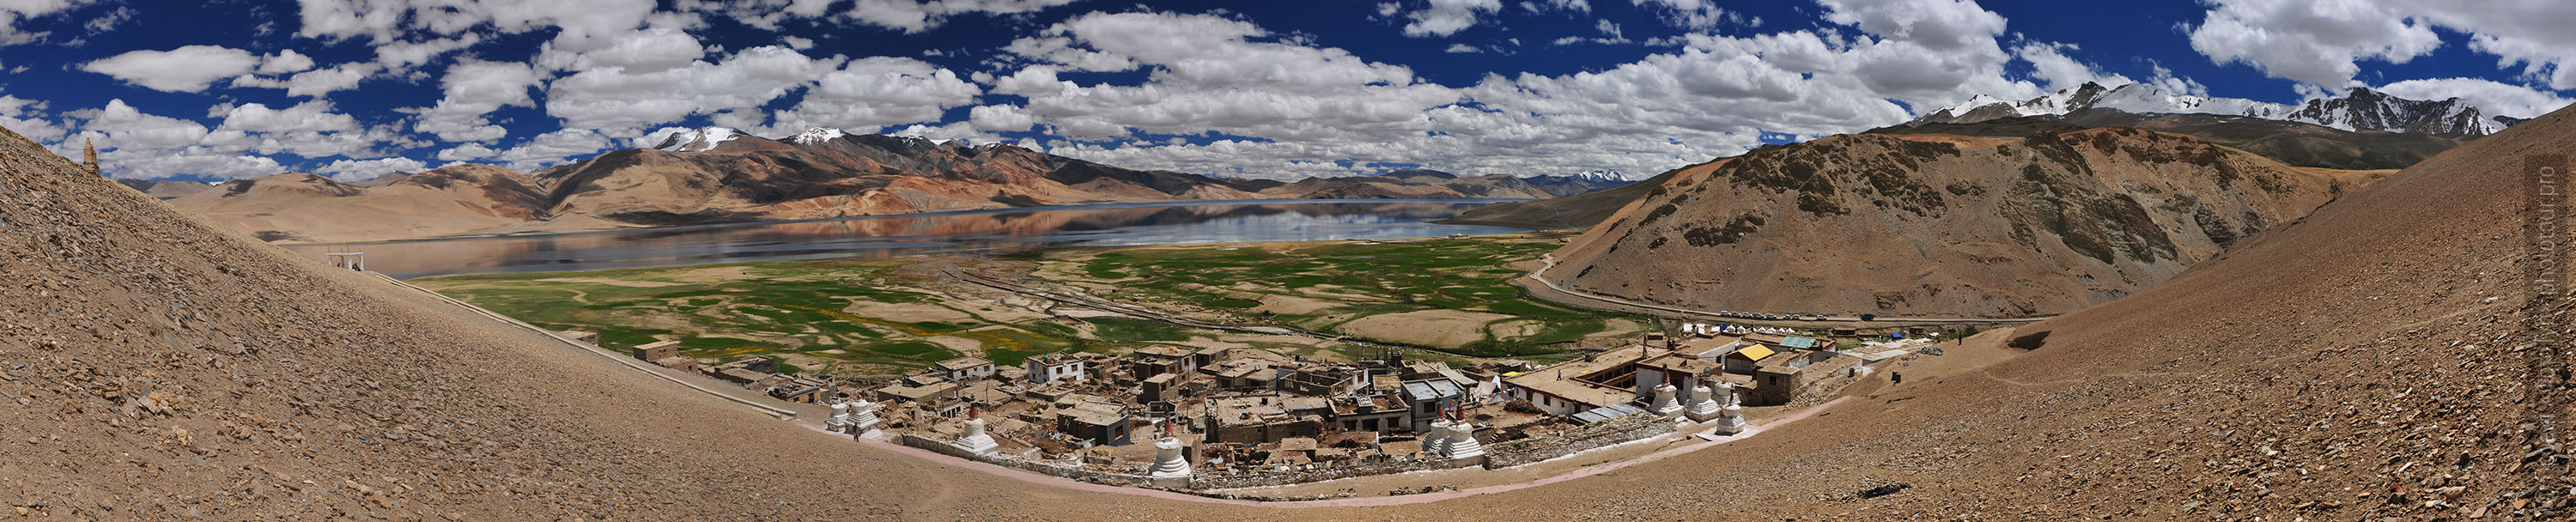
2358 109
701 139
817 135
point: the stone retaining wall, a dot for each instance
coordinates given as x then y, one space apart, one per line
1278 478
1085 475
1624 429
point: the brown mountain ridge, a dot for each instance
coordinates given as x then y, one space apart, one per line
720 176
1939 225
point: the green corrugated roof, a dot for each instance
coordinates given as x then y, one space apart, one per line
1798 342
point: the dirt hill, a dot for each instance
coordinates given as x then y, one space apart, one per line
2358 365
309 208
1932 225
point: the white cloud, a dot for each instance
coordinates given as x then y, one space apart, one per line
550 148
285 61
1285 109
913 16
2491 97
15 12
578 21
124 127
644 51
619 102
2056 71
1001 118
1447 17
310 129
362 170
467 152
185 69
2313 42
322 82
1459 48
878 91
474 89
910 16
1696 14
27 117
2321 44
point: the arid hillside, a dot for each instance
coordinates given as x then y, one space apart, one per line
310 208
1937 225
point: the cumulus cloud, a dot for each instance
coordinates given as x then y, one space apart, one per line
620 102
28 118
878 91
185 69
1713 96
910 16
1694 14
474 89
362 170
1447 17
16 12
551 148
2322 44
2057 71
2314 42
323 82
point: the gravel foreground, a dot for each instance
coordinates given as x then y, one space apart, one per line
2359 365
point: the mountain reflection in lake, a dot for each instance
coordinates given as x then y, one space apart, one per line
915 234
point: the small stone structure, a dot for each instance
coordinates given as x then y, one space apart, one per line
864 421
1703 406
1171 468
1665 405
1462 444
839 422
975 441
1730 410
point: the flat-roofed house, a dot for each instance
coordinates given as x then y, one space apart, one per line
964 369
1050 367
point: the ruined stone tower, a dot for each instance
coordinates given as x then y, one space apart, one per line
89 155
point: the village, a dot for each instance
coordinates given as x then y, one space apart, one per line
1218 418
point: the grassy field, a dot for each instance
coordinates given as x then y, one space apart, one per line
1450 294
842 317
854 318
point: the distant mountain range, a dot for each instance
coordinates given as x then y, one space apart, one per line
722 175
2359 109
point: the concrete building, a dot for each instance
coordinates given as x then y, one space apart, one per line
964 369
1595 381
1429 398
1050 367
656 351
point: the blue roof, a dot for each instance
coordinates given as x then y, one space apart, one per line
1798 342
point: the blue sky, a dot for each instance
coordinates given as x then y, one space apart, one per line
355 88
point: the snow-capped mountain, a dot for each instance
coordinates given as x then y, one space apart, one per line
700 139
1603 176
2358 109
817 135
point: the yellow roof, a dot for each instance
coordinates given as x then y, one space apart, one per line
1755 352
